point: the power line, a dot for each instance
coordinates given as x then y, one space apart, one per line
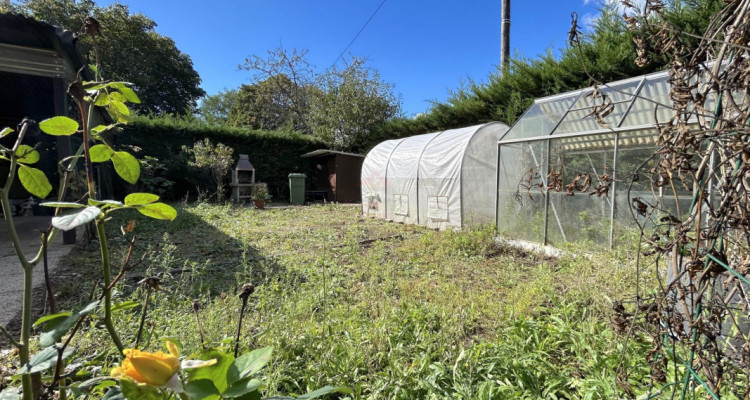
357 35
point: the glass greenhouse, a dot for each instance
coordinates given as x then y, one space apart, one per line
442 179
559 137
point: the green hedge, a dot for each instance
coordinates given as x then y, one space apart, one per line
274 154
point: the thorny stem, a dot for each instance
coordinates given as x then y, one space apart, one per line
144 311
47 282
245 292
107 287
196 306
28 268
59 365
239 327
85 121
10 337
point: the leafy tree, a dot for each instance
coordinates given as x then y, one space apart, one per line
343 107
350 105
285 76
268 105
217 158
131 49
215 109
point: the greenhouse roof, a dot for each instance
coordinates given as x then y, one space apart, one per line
636 104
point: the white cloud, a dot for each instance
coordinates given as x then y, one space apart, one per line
588 21
621 9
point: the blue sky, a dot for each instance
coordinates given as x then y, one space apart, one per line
424 48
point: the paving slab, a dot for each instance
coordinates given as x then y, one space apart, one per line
11 274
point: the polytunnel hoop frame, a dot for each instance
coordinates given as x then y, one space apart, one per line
468 146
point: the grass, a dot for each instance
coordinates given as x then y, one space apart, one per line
389 310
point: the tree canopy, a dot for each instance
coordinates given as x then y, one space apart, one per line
215 109
343 107
274 103
129 50
350 105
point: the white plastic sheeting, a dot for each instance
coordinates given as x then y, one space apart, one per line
442 179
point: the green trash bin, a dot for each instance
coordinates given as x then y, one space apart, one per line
297 189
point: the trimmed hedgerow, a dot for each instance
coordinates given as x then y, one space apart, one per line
274 154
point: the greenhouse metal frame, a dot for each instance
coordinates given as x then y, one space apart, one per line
560 135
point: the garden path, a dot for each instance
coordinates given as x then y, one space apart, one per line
11 274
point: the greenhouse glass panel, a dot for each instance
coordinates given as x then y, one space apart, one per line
521 201
582 121
635 155
615 155
579 118
654 96
577 215
542 117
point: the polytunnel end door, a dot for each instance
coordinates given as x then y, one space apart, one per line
372 203
437 208
400 207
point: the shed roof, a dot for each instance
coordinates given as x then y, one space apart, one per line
324 152
18 33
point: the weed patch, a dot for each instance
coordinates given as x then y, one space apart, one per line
392 311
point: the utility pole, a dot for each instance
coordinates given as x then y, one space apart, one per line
505 34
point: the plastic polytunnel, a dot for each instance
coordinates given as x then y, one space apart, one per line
442 179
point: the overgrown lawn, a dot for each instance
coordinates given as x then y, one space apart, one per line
390 310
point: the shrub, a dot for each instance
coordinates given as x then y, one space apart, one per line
274 154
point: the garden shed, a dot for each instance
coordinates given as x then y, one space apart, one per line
336 176
37 62
440 180
559 138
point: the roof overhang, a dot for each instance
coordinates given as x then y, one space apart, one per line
31 61
323 153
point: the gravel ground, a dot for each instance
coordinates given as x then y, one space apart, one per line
11 274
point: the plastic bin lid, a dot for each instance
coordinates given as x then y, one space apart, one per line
296 175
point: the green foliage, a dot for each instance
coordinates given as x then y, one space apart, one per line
133 391
342 107
153 176
274 154
215 109
218 159
75 219
126 166
350 105
280 93
101 153
260 192
268 105
428 314
131 50
44 360
55 330
34 181
59 126
158 211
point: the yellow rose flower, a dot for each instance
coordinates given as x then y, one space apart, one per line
155 369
